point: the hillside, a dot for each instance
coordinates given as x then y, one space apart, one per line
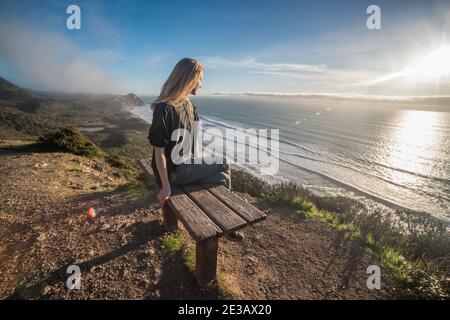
9 91
310 247
28 114
45 228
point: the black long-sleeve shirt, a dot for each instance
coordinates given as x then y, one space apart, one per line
166 119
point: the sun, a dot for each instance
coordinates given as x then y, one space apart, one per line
431 66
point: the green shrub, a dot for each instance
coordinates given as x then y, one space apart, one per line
118 161
69 139
242 181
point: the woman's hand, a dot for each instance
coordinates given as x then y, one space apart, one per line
161 165
163 195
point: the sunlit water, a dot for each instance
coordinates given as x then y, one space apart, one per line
393 157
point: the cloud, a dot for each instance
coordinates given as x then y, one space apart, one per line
252 64
102 56
305 76
431 68
281 74
155 59
49 61
363 61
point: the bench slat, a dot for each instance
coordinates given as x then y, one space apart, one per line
247 211
199 225
219 213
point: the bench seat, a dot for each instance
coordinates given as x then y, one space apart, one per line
207 212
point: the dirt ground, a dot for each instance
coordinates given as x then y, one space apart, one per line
44 228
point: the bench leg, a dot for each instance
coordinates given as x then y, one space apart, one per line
169 218
206 261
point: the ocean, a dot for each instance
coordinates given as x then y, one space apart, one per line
378 152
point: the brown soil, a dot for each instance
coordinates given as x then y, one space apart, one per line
44 228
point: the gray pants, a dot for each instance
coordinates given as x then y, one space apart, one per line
202 172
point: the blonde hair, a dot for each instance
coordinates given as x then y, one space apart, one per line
180 82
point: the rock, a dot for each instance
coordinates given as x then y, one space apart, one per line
41 164
274 288
104 227
41 237
47 290
250 271
85 169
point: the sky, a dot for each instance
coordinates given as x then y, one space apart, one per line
245 46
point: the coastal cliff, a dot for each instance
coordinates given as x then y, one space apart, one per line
309 247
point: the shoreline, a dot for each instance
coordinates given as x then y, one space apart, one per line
309 237
371 201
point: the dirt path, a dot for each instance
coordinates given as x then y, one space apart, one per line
44 228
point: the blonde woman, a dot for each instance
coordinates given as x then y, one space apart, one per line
173 110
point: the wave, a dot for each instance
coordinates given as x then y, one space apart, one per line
345 184
349 186
221 123
227 125
317 156
417 174
340 165
365 173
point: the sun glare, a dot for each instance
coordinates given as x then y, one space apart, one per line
432 66
428 67
414 142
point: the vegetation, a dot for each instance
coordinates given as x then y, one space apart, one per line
118 161
172 243
175 243
69 139
23 123
413 244
9 91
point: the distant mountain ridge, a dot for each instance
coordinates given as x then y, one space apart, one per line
9 91
131 100
28 112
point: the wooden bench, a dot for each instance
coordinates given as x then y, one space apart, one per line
207 212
